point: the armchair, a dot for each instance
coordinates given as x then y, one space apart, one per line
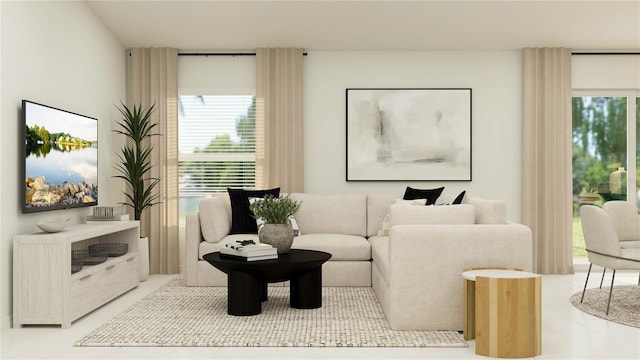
626 222
603 246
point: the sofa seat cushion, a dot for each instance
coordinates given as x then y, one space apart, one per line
341 247
207 247
331 214
380 254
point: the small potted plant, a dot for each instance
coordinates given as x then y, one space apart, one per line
275 212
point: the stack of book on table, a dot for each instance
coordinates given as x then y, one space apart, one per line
248 250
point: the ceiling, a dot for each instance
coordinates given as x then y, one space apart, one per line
373 25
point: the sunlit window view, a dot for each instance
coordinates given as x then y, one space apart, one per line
216 146
600 156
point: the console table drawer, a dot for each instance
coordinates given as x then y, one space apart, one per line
93 290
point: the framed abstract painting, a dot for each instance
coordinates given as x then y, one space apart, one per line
408 134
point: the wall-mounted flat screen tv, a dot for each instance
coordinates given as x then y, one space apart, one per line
60 159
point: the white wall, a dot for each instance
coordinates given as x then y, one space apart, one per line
616 72
496 81
58 54
494 76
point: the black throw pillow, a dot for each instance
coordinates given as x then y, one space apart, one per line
458 199
430 194
242 220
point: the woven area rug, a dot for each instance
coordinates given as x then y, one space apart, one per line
624 308
178 315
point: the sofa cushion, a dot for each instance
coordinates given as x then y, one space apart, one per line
380 254
384 228
341 247
377 209
332 214
214 220
453 199
419 215
488 211
242 220
430 194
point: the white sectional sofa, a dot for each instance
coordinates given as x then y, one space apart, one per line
415 271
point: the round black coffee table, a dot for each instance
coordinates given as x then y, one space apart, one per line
247 280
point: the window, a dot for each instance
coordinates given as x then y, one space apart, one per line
605 142
216 146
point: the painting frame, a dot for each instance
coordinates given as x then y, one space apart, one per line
408 134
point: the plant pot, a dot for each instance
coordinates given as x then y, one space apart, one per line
143 258
278 235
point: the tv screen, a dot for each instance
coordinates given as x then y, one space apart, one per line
60 159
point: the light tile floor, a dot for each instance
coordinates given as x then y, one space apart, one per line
567 333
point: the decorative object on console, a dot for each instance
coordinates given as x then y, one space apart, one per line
408 134
242 220
430 194
53 225
277 229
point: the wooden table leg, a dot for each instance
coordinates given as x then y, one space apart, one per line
469 320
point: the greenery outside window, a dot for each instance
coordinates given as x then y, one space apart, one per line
216 145
605 133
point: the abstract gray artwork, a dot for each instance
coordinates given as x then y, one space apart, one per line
408 134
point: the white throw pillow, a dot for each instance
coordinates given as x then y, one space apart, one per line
214 220
384 230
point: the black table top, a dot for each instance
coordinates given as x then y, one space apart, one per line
280 269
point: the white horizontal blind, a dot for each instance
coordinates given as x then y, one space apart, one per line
216 143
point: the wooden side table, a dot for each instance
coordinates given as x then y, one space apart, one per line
506 315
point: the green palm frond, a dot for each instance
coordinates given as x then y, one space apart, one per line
134 162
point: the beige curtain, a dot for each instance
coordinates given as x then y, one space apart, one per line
547 202
279 122
153 79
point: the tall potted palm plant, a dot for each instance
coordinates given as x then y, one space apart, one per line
133 167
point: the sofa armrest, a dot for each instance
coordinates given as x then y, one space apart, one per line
426 264
193 238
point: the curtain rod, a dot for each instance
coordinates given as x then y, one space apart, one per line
603 53
222 54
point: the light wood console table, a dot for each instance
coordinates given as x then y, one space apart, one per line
44 289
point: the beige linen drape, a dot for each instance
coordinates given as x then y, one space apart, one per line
279 121
547 158
153 79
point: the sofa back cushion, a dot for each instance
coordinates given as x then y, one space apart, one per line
331 214
489 211
215 217
377 209
426 215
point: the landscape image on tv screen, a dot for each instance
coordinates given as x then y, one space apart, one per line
61 158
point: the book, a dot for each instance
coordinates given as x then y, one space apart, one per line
93 219
251 258
251 252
